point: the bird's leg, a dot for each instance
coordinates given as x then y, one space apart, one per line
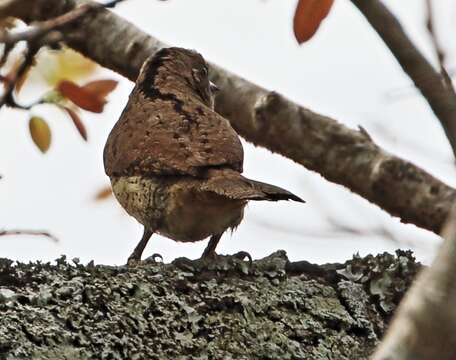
137 252
209 252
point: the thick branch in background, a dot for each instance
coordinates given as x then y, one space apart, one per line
425 323
340 154
225 309
437 91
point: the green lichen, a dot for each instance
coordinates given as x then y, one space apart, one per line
197 310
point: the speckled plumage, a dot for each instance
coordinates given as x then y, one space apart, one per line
168 128
174 163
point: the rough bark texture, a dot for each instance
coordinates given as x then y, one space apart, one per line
227 309
425 323
342 155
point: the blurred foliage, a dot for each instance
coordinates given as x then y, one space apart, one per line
66 64
60 70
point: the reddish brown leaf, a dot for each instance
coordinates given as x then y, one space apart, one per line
308 16
81 97
100 88
103 193
77 122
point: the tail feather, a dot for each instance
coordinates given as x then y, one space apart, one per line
273 192
235 186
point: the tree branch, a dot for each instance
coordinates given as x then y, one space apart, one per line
10 81
425 323
440 96
270 309
28 232
342 155
435 43
42 28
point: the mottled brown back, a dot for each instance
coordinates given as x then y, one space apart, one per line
168 126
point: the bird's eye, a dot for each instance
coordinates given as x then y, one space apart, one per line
199 74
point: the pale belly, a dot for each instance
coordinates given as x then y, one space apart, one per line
177 209
192 215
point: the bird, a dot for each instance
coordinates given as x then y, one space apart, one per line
175 164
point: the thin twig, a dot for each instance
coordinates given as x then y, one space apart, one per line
41 28
29 233
5 5
10 81
434 88
435 43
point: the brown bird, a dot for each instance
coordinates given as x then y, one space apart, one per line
175 164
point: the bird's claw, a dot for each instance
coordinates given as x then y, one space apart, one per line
135 261
154 257
241 255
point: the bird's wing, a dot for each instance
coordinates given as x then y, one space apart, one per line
170 137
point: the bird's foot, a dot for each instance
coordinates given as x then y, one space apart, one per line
219 263
153 258
134 260
213 256
241 255
209 256
213 261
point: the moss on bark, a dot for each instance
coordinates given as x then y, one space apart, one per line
226 309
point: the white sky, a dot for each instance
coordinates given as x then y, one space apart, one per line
345 72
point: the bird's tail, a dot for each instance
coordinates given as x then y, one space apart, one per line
235 186
272 192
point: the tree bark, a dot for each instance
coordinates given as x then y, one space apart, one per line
341 155
272 309
425 323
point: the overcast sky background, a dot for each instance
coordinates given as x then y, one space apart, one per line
345 72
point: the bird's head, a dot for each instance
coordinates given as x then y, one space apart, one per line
170 69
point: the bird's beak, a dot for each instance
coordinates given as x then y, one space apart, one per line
214 88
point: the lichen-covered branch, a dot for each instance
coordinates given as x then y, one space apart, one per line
436 89
425 323
272 309
342 155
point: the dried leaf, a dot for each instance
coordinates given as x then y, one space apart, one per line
55 66
81 97
77 122
101 88
103 193
308 16
40 132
